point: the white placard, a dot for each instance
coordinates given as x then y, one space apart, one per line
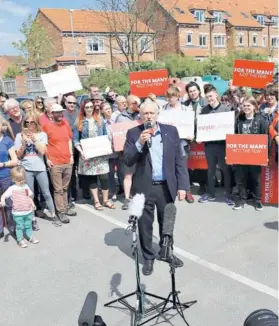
97 146
215 126
183 121
61 82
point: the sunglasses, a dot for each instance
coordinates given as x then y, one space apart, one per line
72 102
39 102
27 123
89 107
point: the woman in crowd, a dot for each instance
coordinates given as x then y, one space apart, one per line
273 133
89 125
39 105
271 106
8 160
27 106
30 147
252 122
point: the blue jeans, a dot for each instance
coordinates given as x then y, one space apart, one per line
7 210
42 179
23 224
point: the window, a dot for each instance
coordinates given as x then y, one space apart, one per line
275 42
275 20
240 40
145 44
261 19
94 45
218 17
254 40
202 40
219 41
189 38
199 14
264 41
124 44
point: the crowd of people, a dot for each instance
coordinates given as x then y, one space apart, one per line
41 155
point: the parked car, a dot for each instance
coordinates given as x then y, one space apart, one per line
25 97
220 84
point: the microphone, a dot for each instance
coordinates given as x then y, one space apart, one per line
167 232
148 125
87 315
135 211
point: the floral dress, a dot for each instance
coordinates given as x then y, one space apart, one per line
95 165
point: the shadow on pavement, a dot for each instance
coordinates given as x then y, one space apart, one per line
272 225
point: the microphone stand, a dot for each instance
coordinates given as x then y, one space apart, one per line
138 312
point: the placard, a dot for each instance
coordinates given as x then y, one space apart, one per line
247 149
61 82
183 121
269 184
119 131
215 126
197 158
250 73
153 81
96 146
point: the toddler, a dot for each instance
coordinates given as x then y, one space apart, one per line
22 206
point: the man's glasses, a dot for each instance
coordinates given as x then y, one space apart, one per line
72 102
13 109
27 123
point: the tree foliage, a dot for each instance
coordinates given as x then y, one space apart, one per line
37 46
13 71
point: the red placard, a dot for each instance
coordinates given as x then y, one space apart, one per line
153 81
119 131
197 159
250 73
247 149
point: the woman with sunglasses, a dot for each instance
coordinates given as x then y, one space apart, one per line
30 147
39 105
8 160
27 106
89 125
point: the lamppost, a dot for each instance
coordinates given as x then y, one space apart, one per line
210 20
269 24
73 37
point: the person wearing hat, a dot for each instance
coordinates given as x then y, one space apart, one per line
97 100
60 160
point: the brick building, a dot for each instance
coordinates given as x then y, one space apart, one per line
85 38
203 28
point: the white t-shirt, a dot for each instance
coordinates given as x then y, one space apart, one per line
21 201
32 160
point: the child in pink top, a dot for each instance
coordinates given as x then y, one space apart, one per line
22 206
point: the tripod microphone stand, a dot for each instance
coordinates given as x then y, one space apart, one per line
138 311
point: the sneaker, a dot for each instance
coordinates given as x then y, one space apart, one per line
56 221
206 199
72 204
63 218
175 262
33 240
258 206
114 198
22 244
125 205
70 212
230 201
189 198
35 226
238 206
202 190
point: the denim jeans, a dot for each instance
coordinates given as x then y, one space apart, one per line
23 224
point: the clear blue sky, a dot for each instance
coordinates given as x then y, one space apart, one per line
14 12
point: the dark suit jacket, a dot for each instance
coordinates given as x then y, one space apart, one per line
174 164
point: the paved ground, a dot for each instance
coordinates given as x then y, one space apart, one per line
230 267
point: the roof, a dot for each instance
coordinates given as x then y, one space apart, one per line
88 21
182 11
67 59
8 60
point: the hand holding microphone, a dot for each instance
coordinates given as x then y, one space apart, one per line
147 134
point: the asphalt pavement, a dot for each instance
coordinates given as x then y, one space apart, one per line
230 267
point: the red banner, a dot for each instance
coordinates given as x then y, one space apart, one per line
197 159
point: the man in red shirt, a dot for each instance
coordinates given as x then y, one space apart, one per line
60 160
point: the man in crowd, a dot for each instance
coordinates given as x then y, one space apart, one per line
93 90
3 98
130 114
46 117
71 114
121 106
159 174
196 103
60 160
97 101
14 116
215 151
111 99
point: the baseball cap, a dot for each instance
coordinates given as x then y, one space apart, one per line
98 97
57 108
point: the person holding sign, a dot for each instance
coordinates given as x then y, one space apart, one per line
215 151
251 123
89 125
273 132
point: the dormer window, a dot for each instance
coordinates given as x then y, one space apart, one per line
275 20
199 14
218 15
261 20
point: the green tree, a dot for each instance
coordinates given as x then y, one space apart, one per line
13 71
37 47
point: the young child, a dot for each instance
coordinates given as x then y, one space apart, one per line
22 206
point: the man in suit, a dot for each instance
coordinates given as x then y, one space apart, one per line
159 174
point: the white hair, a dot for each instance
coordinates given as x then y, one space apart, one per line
120 98
9 103
151 104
